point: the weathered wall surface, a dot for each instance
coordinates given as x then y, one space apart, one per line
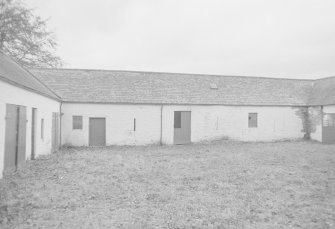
216 122
119 123
45 106
207 123
329 109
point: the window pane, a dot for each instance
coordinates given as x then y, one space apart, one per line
177 119
252 120
77 122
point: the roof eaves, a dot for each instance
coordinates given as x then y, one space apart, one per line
58 96
186 104
26 70
5 79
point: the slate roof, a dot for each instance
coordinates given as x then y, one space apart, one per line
100 86
323 92
13 73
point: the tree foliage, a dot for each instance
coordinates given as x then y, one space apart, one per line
24 36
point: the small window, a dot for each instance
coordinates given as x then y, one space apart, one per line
42 128
134 124
329 120
177 119
77 122
252 120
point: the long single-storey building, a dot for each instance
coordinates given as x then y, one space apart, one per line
29 116
134 108
101 107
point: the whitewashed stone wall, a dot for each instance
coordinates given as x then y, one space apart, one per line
45 106
119 123
329 109
208 123
217 122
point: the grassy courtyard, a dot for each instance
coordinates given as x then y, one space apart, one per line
218 185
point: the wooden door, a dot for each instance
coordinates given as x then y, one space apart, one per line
97 132
22 131
33 133
55 131
182 127
15 137
11 138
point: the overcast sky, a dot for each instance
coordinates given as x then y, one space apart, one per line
274 38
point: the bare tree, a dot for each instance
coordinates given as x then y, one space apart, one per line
25 37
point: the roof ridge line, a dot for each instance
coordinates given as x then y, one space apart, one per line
189 74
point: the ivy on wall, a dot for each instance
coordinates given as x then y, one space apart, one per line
310 117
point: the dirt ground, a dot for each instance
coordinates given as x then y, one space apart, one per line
218 185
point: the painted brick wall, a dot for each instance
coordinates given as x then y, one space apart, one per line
45 106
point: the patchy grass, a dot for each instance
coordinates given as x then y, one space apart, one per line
220 185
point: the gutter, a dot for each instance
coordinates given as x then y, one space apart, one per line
322 115
161 140
60 124
186 104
